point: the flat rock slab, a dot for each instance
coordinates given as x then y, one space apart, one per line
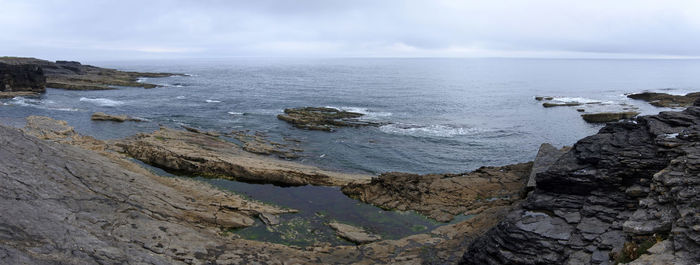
604 117
101 116
354 234
666 100
206 155
442 196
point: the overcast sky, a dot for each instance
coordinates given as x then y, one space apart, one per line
126 29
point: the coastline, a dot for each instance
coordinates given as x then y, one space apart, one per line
206 215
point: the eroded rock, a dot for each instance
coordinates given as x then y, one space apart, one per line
19 79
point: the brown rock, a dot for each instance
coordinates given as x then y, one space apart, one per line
353 234
101 116
322 119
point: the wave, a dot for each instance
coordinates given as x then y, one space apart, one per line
235 113
212 101
180 97
37 103
428 130
368 114
581 100
104 102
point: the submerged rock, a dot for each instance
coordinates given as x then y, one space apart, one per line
632 182
258 143
666 100
101 116
195 153
604 117
322 119
562 104
442 196
353 234
76 76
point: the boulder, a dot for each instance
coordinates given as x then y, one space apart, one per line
546 156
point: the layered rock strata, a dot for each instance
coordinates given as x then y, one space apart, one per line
206 155
635 182
666 100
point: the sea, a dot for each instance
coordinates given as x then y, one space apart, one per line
438 115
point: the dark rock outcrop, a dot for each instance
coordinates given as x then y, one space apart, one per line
666 100
442 196
76 76
546 156
632 182
322 119
21 78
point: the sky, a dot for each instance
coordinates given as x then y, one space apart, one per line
128 29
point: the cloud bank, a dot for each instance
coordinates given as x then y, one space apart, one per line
128 29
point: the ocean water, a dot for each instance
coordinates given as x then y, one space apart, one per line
441 116
444 115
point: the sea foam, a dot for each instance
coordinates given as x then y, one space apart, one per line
104 102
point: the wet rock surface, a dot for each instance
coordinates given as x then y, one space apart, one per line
21 79
258 143
666 100
604 117
630 182
442 196
76 76
322 119
209 156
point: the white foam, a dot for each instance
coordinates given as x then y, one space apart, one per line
180 97
580 100
368 114
212 101
670 135
235 113
141 80
104 102
36 103
428 130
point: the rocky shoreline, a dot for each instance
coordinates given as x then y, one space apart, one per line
72 75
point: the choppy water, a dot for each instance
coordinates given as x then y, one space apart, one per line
444 115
